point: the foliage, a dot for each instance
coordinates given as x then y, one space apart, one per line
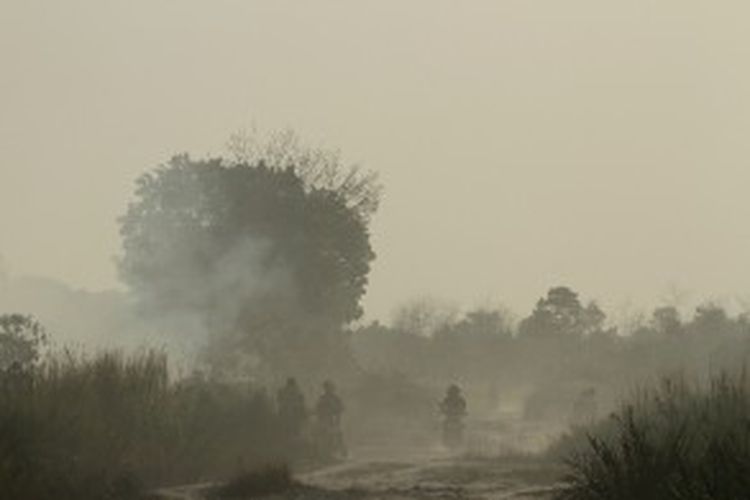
561 349
21 338
676 442
111 427
195 218
561 313
423 316
269 260
318 168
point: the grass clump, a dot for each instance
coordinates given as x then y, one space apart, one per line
676 441
113 427
262 481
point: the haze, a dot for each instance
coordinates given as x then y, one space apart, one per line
522 144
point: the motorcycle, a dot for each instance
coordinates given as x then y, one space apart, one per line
329 442
453 432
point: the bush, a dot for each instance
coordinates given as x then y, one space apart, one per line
677 441
259 482
111 427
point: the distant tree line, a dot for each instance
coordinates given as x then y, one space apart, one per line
561 343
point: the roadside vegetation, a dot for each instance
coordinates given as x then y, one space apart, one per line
114 426
118 426
678 440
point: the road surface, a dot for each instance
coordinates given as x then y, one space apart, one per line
390 473
415 478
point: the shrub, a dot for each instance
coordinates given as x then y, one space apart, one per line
113 426
675 441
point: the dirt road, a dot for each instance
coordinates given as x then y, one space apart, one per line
390 473
415 478
436 476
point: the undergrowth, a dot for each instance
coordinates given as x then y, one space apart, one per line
678 441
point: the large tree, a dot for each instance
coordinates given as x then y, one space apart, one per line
269 260
561 315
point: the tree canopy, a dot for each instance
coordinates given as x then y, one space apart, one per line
561 313
21 338
318 168
246 245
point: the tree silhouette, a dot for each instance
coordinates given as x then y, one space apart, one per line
561 313
21 338
260 254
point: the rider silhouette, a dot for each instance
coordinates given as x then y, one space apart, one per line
291 407
329 407
328 411
453 408
454 404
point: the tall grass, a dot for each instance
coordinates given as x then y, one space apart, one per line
677 441
113 426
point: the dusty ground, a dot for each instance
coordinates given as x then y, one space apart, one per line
437 477
416 476
429 472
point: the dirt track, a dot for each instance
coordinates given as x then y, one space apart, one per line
416 478
437 477
423 473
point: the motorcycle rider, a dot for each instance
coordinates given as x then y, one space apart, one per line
291 410
328 411
453 408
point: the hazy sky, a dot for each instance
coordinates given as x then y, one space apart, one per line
522 143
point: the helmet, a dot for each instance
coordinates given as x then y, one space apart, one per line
328 386
454 390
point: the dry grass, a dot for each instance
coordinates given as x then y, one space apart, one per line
676 441
111 427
